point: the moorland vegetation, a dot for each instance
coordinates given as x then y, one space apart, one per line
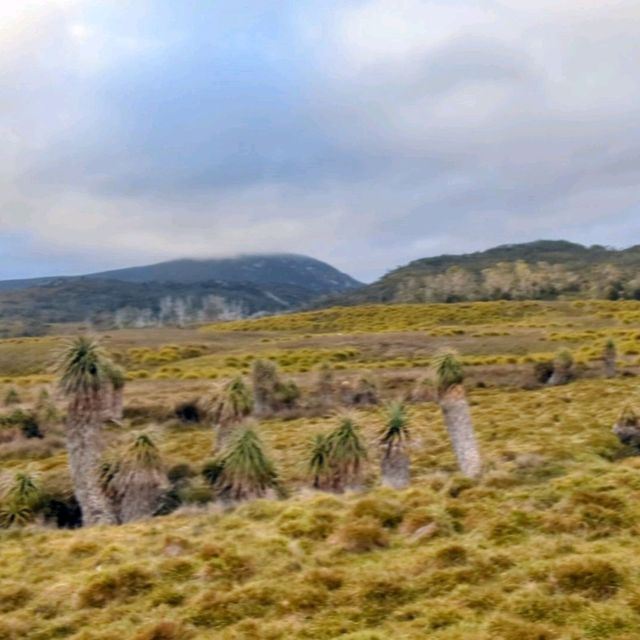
353 473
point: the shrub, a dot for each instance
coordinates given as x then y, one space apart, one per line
388 513
122 584
11 398
363 534
592 577
246 471
164 630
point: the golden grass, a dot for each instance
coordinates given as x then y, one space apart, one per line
540 548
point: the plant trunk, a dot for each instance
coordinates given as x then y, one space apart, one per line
140 496
610 364
457 419
395 468
223 433
117 405
84 445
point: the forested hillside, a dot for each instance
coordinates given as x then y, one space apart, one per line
543 270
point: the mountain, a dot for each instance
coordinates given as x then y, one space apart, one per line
170 293
287 269
545 269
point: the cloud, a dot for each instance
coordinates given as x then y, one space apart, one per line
368 133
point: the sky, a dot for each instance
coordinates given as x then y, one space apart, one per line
367 133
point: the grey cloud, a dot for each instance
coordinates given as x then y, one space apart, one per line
282 129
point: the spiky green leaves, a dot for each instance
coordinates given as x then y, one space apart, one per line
337 459
143 454
136 480
19 500
628 417
236 403
246 472
395 463
115 375
396 430
11 398
448 370
319 462
83 367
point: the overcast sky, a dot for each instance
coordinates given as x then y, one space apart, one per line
365 133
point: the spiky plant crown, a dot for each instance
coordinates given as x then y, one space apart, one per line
246 469
11 397
610 345
366 384
20 499
396 430
345 445
25 489
116 376
565 359
143 455
325 372
238 395
264 373
448 370
319 459
83 366
628 417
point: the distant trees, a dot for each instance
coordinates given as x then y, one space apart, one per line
518 280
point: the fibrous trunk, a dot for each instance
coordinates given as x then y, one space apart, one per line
610 363
139 494
457 418
117 405
84 443
395 468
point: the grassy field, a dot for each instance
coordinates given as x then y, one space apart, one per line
542 547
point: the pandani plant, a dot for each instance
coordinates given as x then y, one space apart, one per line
137 481
20 499
609 357
449 376
337 459
395 463
84 381
231 408
244 470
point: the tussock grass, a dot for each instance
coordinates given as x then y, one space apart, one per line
540 547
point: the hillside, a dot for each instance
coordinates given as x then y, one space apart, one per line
177 292
545 270
287 269
539 548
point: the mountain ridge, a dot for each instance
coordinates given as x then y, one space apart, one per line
241 268
542 269
177 292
